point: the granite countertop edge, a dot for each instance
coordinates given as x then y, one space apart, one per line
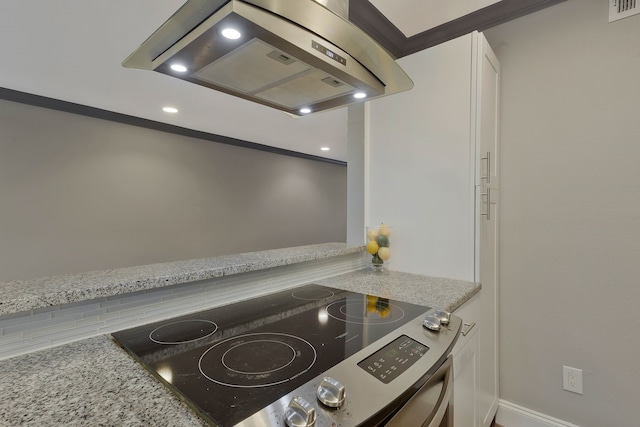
24 295
436 292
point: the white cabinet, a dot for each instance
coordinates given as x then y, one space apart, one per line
466 368
474 368
465 388
488 317
424 152
486 115
432 172
488 197
420 164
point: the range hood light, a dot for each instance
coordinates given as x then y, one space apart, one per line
170 110
179 68
325 148
359 95
231 33
305 110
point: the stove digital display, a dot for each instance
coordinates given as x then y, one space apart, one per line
393 359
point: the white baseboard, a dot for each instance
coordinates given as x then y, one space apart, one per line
512 415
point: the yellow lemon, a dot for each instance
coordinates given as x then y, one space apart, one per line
384 312
384 253
385 230
372 234
371 308
371 299
372 247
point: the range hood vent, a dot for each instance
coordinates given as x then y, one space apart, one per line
294 55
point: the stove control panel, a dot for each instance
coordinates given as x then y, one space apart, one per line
300 413
395 358
367 385
435 319
331 393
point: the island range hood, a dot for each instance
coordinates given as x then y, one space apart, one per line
299 56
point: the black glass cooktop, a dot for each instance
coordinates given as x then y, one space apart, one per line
230 362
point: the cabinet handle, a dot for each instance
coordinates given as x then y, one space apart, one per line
469 328
488 159
488 212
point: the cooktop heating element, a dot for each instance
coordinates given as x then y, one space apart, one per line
183 331
257 360
232 361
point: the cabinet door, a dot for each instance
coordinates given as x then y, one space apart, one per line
487 115
488 316
466 365
465 385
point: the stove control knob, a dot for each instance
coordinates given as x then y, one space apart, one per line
432 323
300 413
443 316
331 393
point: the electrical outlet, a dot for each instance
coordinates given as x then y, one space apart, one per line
572 379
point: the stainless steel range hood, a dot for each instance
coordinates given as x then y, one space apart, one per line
298 56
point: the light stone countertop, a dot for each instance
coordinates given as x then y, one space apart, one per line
436 292
23 295
95 383
87 383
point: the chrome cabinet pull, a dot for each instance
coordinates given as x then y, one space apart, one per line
469 328
488 175
488 212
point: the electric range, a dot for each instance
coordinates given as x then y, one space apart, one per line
243 364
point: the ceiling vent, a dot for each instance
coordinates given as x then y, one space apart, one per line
619 9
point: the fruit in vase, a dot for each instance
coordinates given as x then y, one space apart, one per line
384 253
378 244
382 240
376 260
385 230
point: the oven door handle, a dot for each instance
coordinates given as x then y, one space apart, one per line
429 406
444 402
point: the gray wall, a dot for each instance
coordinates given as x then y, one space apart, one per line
570 213
82 194
356 173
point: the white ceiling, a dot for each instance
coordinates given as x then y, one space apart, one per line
72 50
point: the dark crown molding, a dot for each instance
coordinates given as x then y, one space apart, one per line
83 110
363 14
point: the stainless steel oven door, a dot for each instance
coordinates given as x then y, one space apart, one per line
432 405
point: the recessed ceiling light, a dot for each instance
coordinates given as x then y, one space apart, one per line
170 110
179 68
231 33
305 110
325 148
359 95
